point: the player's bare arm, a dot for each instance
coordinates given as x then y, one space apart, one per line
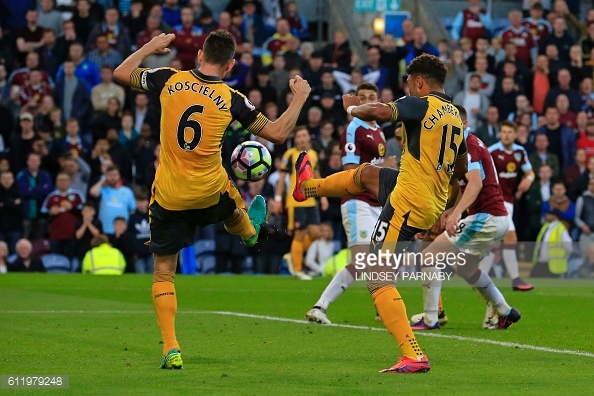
368 112
158 45
473 188
278 131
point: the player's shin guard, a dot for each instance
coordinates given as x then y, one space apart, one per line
165 303
485 286
431 294
341 281
240 225
391 308
511 260
341 184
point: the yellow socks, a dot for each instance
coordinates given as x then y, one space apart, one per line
439 306
297 250
391 308
341 184
241 226
165 303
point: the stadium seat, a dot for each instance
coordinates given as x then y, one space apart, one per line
205 255
56 263
248 265
75 265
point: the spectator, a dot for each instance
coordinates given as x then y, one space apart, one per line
587 42
101 93
472 22
538 193
30 37
198 7
337 55
586 270
74 144
560 201
457 69
511 55
278 41
25 261
474 101
103 55
505 97
188 39
3 257
550 261
328 86
103 259
34 90
116 200
560 38
540 83
253 28
52 55
297 21
34 184
172 13
73 95
50 18
263 84
586 141
325 141
84 68
566 116
419 45
560 8
564 87
487 80
48 162
117 34
407 26
143 115
330 111
11 224
314 121
390 57
561 138
577 69
20 76
496 50
123 241
127 135
587 96
543 157
149 173
482 51
523 107
139 228
110 119
83 20
584 217
293 60
320 251
22 144
87 227
80 173
536 24
313 71
521 37
63 206
576 171
373 71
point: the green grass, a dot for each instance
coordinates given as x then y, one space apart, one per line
117 350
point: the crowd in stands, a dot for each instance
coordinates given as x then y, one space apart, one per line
78 152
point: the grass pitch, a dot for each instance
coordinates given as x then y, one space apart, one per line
101 331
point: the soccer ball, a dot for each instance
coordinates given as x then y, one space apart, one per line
251 161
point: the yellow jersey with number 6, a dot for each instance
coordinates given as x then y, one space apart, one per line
196 111
433 138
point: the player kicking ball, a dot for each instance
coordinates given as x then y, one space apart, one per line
363 142
191 186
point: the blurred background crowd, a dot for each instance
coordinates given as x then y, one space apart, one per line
78 152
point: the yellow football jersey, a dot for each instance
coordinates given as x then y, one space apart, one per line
288 165
196 110
433 138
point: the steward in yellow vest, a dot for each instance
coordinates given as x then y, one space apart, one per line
553 247
103 259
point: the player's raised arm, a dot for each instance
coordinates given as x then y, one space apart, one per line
379 112
278 131
158 45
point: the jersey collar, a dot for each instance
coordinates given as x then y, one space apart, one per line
203 77
441 96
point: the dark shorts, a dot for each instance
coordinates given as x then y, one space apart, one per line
173 230
392 232
301 217
387 182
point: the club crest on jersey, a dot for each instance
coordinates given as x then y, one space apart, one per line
510 167
518 156
363 234
381 149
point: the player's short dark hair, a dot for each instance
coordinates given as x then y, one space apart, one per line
462 111
430 67
368 86
219 48
510 124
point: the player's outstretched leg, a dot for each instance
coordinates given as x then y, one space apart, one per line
441 316
341 281
165 303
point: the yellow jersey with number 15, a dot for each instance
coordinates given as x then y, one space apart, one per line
432 138
196 111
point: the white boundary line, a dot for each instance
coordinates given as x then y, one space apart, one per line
300 321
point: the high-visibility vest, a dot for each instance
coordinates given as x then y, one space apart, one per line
337 262
556 252
104 260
